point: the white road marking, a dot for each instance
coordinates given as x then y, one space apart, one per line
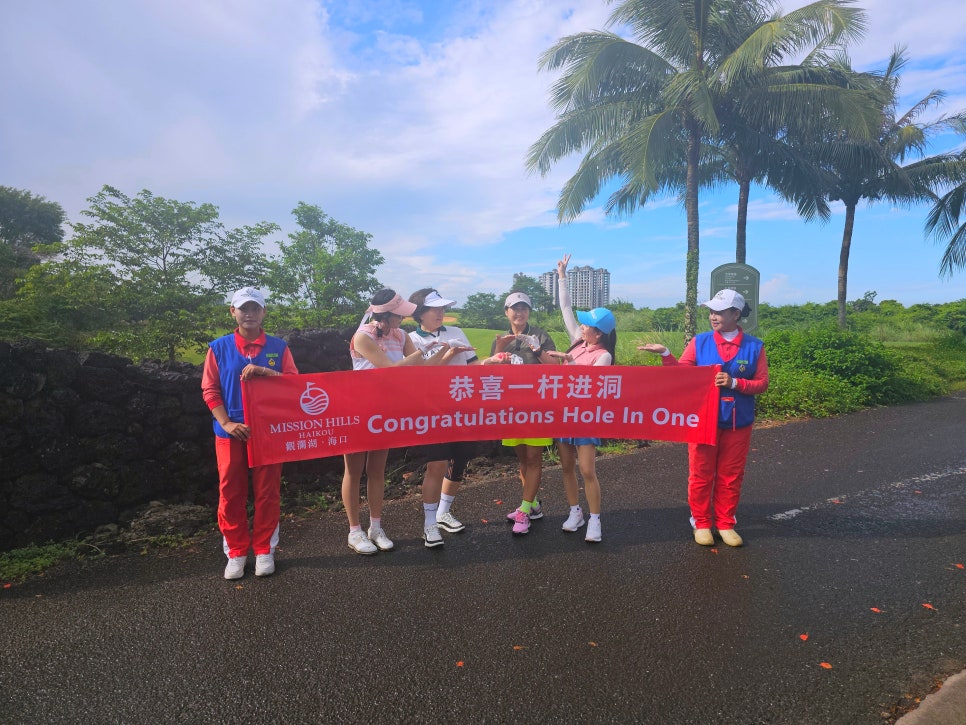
905 483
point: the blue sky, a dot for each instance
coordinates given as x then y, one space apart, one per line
411 120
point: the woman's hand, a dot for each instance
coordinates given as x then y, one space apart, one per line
499 358
562 266
502 341
562 356
452 351
654 347
237 430
253 371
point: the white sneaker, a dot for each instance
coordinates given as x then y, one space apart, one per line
432 537
264 565
574 521
449 523
379 538
359 542
236 567
593 529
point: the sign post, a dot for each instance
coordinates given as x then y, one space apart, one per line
744 280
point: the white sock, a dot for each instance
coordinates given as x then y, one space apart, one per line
353 529
595 518
375 523
445 501
429 514
575 509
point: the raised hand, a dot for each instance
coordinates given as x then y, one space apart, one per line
562 266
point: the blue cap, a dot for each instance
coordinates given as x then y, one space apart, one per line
599 317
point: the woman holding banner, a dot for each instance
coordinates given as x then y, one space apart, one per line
525 345
447 461
245 353
379 343
594 341
716 472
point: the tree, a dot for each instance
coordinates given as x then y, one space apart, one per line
620 305
146 273
647 112
326 272
484 310
770 101
26 222
943 219
872 170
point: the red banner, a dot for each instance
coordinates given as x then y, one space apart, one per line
298 417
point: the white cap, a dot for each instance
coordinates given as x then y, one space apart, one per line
247 294
435 299
516 297
726 299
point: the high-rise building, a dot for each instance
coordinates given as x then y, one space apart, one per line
589 287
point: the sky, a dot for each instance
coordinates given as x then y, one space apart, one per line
411 120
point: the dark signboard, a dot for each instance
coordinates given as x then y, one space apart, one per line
744 280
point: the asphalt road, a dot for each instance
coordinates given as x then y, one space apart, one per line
855 533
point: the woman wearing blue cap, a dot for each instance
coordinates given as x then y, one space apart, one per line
594 340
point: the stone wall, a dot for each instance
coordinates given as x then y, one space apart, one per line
87 438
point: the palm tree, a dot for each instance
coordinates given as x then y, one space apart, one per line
943 219
773 105
873 170
647 112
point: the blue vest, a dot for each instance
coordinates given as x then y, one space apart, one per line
737 409
231 363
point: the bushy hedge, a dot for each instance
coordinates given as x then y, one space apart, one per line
825 371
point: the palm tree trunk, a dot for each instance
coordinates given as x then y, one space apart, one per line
744 192
691 209
844 260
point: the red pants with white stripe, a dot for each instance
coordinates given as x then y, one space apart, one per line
715 476
233 471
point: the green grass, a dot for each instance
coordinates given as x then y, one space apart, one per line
481 339
18 564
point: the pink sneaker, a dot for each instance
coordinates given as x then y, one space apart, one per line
521 523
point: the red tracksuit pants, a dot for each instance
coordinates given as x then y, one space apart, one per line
714 478
233 471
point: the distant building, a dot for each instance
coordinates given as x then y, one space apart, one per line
589 287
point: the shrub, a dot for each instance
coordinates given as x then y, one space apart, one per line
875 375
796 393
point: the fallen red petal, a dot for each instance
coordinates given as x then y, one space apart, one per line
826 665
960 566
460 663
927 605
875 609
803 637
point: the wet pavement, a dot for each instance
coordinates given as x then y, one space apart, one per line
846 604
